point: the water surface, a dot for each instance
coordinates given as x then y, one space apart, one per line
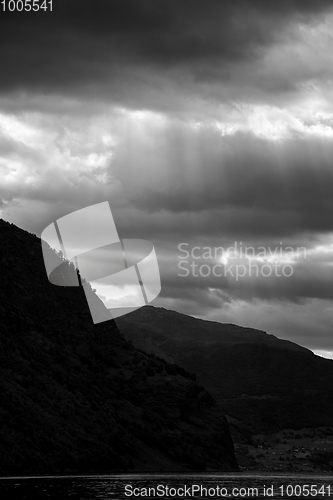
112 487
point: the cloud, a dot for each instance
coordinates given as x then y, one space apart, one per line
168 178
140 53
205 123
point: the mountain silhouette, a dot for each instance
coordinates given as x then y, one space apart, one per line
264 384
78 397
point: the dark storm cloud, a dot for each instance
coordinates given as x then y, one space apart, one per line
119 47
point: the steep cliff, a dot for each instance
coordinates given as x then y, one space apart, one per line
79 397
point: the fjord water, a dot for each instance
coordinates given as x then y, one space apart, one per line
107 487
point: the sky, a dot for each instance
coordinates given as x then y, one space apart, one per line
207 125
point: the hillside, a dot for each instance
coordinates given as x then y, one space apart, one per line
231 360
78 397
263 383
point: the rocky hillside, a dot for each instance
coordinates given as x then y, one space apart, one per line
78 397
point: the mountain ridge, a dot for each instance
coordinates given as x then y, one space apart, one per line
78 397
216 325
272 391
232 361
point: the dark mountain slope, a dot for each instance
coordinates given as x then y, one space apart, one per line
163 322
78 397
259 378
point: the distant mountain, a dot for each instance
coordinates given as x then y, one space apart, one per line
78 397
263 381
